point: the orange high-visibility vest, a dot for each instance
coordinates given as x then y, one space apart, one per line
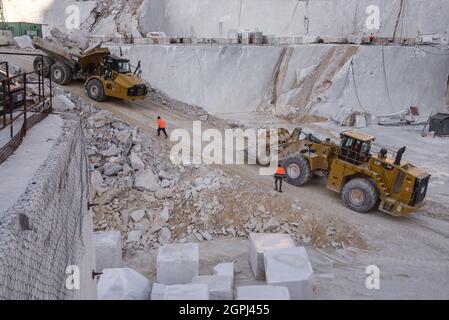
161 123
280 171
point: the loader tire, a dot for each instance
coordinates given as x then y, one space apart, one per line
47 62
360 195
95 90
61 73
298 170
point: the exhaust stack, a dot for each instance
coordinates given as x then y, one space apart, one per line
399 155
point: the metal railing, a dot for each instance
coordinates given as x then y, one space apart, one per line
31 112
266 40
357 158
195 41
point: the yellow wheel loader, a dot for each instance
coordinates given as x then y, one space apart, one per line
105 75
365 174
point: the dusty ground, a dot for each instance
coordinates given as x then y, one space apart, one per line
411 252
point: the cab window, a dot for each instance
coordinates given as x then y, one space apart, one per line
366 147
123 67
347 143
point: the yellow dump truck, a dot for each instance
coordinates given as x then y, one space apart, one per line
105 75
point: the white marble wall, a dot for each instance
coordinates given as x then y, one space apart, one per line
237 79
216 18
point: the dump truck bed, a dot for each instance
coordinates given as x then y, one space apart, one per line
52 49
57 51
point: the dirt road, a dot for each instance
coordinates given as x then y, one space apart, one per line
412 252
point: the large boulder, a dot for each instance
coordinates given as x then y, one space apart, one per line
5 37
146 180
112 169
123 136
23 42
111 151
136 162
97 181
100 119
60 102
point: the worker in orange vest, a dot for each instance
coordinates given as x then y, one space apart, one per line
279 175
161 127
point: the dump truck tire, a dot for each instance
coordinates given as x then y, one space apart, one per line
298 170
359 195
37 65
95 90
61 73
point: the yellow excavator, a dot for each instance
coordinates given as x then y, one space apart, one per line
105 75
365 174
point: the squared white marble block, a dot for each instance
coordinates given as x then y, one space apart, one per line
187 292
158 291
219 287
108 250
262 293
290 267
177 263
224 269
259 242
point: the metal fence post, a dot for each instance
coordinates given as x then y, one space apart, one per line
51 95
9 95
4 102
39 78
24 105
